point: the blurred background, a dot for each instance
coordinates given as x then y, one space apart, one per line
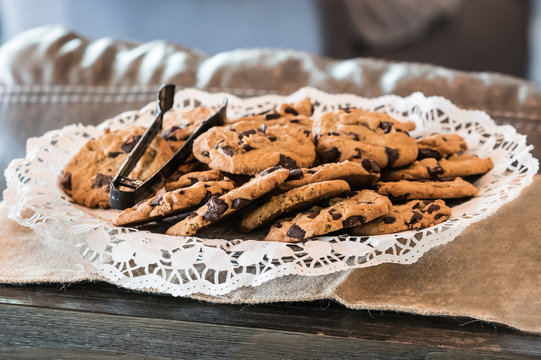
475 35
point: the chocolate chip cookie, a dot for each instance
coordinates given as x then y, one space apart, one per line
179 125
357 174
414 215
248 147
173 202
440 145
352 134
425 189
295 199
453 166
87 176
359 208
219 206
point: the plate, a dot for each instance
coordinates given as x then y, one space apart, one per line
222 260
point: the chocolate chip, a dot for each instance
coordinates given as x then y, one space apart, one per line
426 202
114 154
296 232
332 133
388 219
330 155
336 216
193 180
354 136
180 192
312 213
248 148
294 121
218 143
287 162
272 138
370 166
263 128
353 221
227 150
102 180
168 135
130 143
392 156
417 205
240 203
192 215
290 110
269 170
295 174
207 197
306 132
247 133
157 201
415 218
438 216
216 208
272 116
65 181
432 208
425 153
205 153
311 109
435 171
386 126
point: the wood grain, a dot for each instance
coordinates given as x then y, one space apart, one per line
109 306
33 329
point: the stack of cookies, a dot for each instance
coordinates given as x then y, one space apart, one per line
347 171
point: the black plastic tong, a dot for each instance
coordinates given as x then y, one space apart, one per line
139 190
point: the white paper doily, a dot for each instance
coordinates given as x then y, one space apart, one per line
222 263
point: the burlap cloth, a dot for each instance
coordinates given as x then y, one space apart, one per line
491 272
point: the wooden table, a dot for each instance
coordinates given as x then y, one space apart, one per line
96 321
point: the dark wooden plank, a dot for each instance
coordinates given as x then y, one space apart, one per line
28 329
324 318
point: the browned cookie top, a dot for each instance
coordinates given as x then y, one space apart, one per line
453 166
416 214
440 145
191 178
87 176
218 207
250 146
351 134
359 208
